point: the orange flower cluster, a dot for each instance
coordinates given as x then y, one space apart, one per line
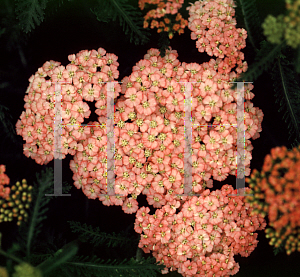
166 11
17 203
277 193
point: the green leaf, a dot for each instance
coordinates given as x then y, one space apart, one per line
252 21
66 187
60 257
297 63
96 237
163 43
6 120
128 16
87 267
263 61
287 93
2 31
30 13
29 230
279 249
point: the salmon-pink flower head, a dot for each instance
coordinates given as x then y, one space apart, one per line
214 241
150 147
76 86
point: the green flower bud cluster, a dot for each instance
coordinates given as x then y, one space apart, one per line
17 205
26 270
274 28
257 201
291 242
284 26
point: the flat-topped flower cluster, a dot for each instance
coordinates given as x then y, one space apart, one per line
150 141
200 237
212 24
149 133
165 16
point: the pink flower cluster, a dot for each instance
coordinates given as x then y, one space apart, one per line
149 141
213 26
200 237
81 80
4 180
149 133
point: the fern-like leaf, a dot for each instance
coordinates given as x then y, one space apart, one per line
59 258
96 237
2 31
264 59
88 267
129 17
66 187
287 93
278 249
30 13
30 229
163 43
6 120
252 21
297 63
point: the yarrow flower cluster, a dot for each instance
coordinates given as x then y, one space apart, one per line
149 141
165 17
4 180
200 237
212 24
277 194
149 133
149 127
84 79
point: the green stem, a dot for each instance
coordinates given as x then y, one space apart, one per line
9 256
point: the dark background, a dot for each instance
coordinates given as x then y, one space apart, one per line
67 30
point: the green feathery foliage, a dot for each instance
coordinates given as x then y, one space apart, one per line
297 61
30 229
2 31
252 21
95 237
279 249
30 13
287 92
66 187
59 258
81 266
163 43
264 59
129 17
6 120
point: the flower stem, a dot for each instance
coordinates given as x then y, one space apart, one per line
9 256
